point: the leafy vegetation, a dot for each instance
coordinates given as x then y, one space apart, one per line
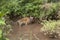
36 8
41 9
50 27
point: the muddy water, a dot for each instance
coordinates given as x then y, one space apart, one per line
28 32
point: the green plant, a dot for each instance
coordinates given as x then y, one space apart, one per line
51 27
28 8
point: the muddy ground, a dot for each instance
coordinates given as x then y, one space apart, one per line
28 32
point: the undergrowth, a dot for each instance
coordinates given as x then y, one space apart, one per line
51 28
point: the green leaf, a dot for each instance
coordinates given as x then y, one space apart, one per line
0 33
2 22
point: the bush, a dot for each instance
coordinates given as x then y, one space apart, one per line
35 8
51 28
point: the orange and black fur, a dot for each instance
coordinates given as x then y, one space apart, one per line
25 21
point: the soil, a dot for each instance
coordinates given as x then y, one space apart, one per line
28 32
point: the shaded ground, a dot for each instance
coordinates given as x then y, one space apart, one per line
28 32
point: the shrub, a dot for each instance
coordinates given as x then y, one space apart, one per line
51 28
35 8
